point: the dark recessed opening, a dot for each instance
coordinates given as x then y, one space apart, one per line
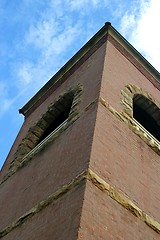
60 113
147 114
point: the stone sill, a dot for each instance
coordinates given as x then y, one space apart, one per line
146 134
38 147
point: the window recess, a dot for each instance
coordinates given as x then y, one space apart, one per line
58 116
147 114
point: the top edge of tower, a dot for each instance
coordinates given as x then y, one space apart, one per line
94 43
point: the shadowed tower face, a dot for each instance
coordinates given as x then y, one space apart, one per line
85 164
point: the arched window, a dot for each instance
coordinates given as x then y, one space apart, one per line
147 114
57 115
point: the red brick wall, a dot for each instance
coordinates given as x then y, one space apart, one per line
58 221
119 72
122 159
104 219
57 164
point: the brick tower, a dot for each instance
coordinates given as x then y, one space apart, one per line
85 164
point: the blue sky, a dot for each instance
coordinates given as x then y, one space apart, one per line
37 37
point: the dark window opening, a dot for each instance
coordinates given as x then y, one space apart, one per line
60 113
147 114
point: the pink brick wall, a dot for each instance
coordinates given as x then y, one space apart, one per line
62 160
120 157
104 219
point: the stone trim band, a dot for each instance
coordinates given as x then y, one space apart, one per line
137 128
112 192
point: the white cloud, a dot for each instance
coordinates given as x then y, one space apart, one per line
41 35
87 6
51 41
141 27
24 74
128 23
3 88
79 4
60 43
4 98
6 104
49 38
58 29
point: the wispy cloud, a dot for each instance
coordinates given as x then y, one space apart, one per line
51 48
140 25
51 37
58 31
81 4
6 101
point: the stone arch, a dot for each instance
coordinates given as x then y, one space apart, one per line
132 95
70 99
128 94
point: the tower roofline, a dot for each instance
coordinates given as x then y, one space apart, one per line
106 29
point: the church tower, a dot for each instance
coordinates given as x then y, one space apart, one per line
86 162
